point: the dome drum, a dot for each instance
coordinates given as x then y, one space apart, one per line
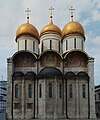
27 38
28 43
73 42
50 37
50 42
73 36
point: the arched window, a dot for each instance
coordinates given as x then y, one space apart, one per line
84 91
70 90
30 90
50 90
16 90
40 91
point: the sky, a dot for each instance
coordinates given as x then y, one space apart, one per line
12 15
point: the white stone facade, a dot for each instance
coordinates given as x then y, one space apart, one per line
28 43
54 107
55 42
73 42
50 80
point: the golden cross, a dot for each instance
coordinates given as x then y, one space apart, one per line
72 9
27 13
51 9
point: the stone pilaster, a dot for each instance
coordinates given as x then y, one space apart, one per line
55 100
91 87
23 99
77 99
65 98
36 98
9 88
36 91
45 99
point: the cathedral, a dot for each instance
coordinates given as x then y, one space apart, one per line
50 76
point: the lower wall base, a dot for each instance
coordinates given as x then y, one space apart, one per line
56 119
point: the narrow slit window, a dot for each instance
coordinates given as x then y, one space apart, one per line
33 46
50 44
16 91
18 45
59 46
40 91
42 47
50 90
70 91
60 90
75 43
82 44
30 90
25 44
84 91
66 45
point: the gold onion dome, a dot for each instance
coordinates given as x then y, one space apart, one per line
27 29
50 28
73 28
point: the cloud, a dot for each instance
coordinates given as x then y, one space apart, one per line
96 15
12 14
93 47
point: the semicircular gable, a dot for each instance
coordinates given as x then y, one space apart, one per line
50 59
30 74
82 74
18 74
76 59
76 50
26 51
49 71
24 59
47 51
70 74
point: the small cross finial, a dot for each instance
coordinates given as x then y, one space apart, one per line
27 14
51 9
72 9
